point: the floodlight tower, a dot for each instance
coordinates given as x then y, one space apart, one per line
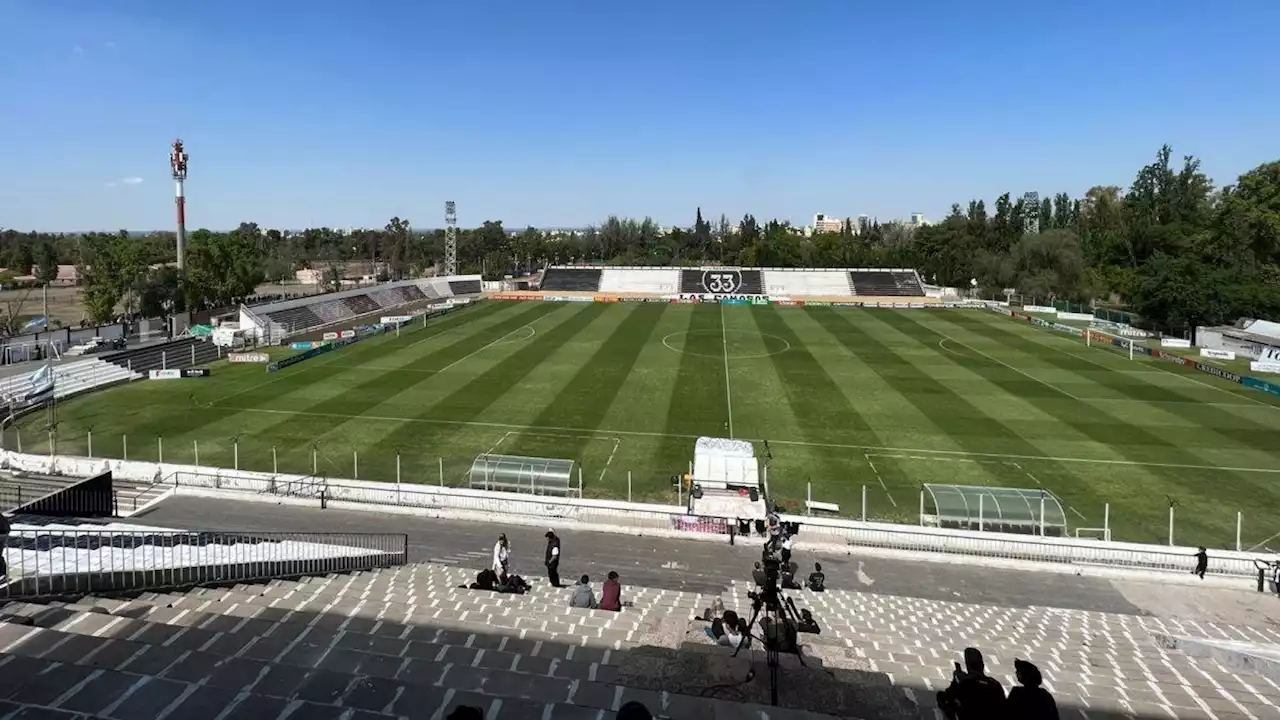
178 164
1031 213
450 238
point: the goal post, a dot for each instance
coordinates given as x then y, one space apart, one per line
1100 338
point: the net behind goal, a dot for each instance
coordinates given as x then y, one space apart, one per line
1129 346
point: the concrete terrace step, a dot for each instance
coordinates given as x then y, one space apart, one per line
377 685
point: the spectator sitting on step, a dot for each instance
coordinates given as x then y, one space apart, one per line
817 581
973 695
611 593
582 596
1029 701
634 711
758 577
513 584
789 577
485 580
727 630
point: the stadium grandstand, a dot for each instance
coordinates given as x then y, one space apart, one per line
319 561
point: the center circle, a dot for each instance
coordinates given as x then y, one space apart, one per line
774 345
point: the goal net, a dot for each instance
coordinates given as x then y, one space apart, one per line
1094 337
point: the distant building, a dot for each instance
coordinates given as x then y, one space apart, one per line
917 220
826 224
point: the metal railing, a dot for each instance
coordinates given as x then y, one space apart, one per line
55 562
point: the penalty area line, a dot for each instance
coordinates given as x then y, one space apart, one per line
609 432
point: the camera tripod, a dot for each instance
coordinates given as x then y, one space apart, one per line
777 609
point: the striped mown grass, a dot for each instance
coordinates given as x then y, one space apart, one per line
846 398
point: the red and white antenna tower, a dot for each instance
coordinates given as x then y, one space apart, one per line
178 164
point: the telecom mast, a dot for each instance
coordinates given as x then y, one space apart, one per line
178 164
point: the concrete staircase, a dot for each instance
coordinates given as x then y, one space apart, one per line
395 643
407 642
1097 665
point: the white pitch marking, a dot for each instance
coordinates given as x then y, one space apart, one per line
882 485
724 344
1157 364
1020 372
605 469
794 443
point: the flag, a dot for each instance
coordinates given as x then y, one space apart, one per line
42 383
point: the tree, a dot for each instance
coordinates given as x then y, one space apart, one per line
46 270
223 268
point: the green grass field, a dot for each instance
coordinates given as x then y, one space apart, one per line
889 399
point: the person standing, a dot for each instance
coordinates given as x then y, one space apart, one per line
1202 563
553 558
4 545
501 555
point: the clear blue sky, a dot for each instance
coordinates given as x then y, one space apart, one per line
559 112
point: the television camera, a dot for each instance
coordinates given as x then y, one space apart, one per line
782 621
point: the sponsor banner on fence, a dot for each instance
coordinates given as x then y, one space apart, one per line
248 357
1068 329
1217 354
1134 332
307 344
1215 370
164 374
395 319
847 304
347 333
760 300
1040 309
196 372
789 303
1175 343
313 352
607 298
817 304
1074 316
1175 359
693 523
1262 385
330 336
734 301
720 297
1266 366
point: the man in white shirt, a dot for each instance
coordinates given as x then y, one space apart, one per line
501 555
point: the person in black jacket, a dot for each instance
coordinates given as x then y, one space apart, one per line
4 543
973 695
553 558
1029 701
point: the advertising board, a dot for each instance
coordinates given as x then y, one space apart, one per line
1215 370
607 299
252 357
1265 366
164 374
1217 354
330 336
396 319
1175 343
1040 309
1067 329
347 334
196 372
1074 316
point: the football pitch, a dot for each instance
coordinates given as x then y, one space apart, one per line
844 397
